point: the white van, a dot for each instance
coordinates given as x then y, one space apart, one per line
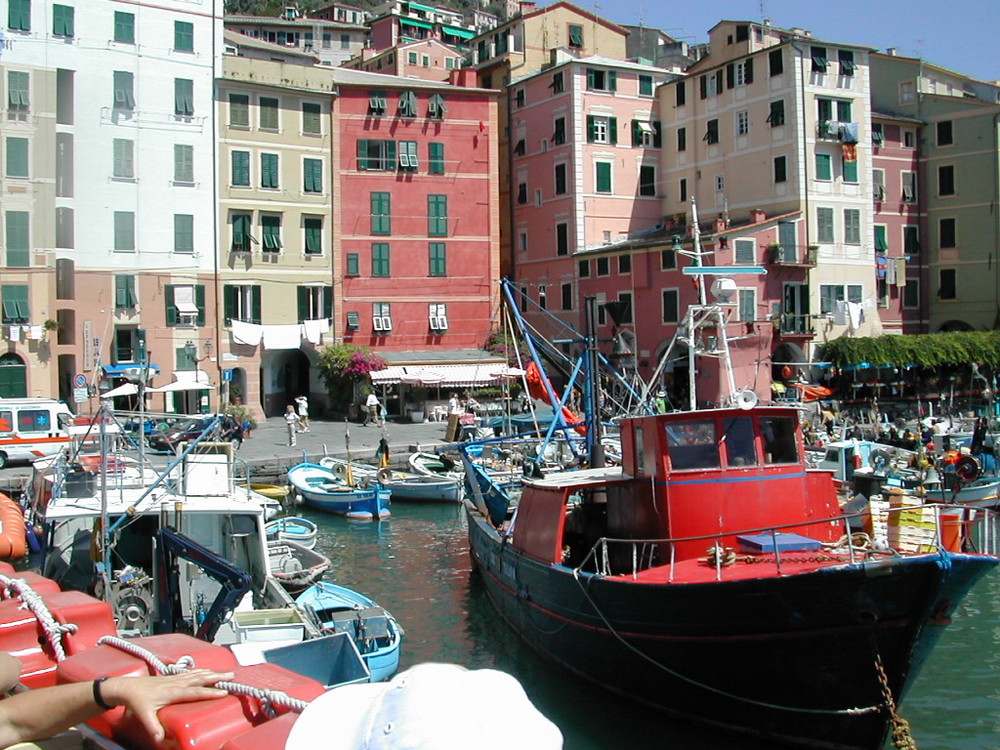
32 427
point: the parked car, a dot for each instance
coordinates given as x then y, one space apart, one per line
228 430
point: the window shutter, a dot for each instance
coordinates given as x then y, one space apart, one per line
636 133
199 301
17 157
362 153
228 303
591 75
703 84
748 70
718 81
612 80
657 134
590 129
171 309
613 130
390 153
680 94
303 299
327 302
255 304
730 75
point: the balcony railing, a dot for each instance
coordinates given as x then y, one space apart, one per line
792 255
829 129
794 324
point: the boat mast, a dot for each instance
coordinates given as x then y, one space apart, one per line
592 391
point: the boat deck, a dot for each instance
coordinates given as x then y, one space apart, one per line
747 567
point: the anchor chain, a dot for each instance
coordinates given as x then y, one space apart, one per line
902 739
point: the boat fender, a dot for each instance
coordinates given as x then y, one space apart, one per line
340 470
967 469
13 542
384 475
856 460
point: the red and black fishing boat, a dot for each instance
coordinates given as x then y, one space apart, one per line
712 575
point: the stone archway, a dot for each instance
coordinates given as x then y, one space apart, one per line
287 376
13 376
954 325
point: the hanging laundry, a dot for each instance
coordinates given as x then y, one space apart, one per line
14 333
855 314
901 271
313 330
880 265
849 133
840 313
247 333
34 333
282 337
890 271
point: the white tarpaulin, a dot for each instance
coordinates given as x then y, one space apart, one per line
451 376
187 380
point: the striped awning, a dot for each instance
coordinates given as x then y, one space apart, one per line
449 376
460 33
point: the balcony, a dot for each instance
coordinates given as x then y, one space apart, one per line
790 325
829 129
792 256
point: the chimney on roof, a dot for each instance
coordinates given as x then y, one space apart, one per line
757 216
719 225
526 6
892 51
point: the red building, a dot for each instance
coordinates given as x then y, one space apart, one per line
416 203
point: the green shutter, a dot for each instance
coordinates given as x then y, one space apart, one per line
124 230
269 170
850 170
881 243
255 304
311 118
183 36
183 97
657 134
437 265
19 15
241 168
17 89
15 303
171 309
612 80
124 291
303 300
123 166
183 163
362 153
314 236
613 130
435 158
591 129
199 301
824 170
327 302
228 303
437 212
603 177
17 157
381 213
353 264
124 27
748 70
62 20
268 113
312 176
18 247
591 78
183 233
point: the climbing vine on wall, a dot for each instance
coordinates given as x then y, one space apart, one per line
928 350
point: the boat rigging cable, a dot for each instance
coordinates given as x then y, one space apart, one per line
710 688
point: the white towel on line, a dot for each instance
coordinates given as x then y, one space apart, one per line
247 333
282 337
313 330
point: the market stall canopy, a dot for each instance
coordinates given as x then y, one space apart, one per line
450 376
186 380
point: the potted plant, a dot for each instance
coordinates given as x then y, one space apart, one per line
416 402
776 253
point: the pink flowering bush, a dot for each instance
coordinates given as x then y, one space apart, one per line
343 366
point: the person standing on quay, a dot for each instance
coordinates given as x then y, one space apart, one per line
303 403
292 422
373 407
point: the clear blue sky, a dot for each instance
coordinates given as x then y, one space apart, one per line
962 35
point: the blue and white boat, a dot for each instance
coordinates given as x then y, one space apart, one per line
326 490
337 609
292 529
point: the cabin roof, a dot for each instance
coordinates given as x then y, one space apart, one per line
582 478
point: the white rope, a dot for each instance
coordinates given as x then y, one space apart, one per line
268 697
54 631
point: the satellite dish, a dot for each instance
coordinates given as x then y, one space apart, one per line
746 399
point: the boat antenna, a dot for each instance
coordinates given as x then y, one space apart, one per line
592 391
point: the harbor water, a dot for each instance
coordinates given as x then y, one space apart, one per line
416 564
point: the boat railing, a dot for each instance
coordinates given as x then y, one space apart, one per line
893 531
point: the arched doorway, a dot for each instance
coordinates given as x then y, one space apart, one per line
238 386
13 376
287 375
954 325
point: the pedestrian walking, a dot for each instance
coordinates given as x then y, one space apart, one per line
373 410
303 404
292 422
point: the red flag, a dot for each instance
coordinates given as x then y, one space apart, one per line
850 151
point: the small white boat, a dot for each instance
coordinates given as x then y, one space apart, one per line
323 489
403 485
292 529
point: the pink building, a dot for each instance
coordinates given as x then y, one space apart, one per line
429 59
418 248
645 274
900 273
584 173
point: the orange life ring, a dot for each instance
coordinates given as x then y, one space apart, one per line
13 543
787 372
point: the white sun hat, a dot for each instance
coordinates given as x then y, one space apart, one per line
427 707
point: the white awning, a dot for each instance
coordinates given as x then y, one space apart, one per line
451 376
184 299
128 389
645 127
186 380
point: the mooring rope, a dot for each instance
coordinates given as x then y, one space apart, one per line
54 631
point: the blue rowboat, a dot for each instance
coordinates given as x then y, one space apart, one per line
323 489
338 609
292 529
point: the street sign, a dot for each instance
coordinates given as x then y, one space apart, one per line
79 380
227 375
80 395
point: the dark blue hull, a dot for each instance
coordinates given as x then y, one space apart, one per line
792 659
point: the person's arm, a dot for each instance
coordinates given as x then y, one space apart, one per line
41 713
10 672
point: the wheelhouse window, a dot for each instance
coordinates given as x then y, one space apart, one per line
779 440
692 444
737 437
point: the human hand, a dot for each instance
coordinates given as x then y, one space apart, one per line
10 671
144 696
